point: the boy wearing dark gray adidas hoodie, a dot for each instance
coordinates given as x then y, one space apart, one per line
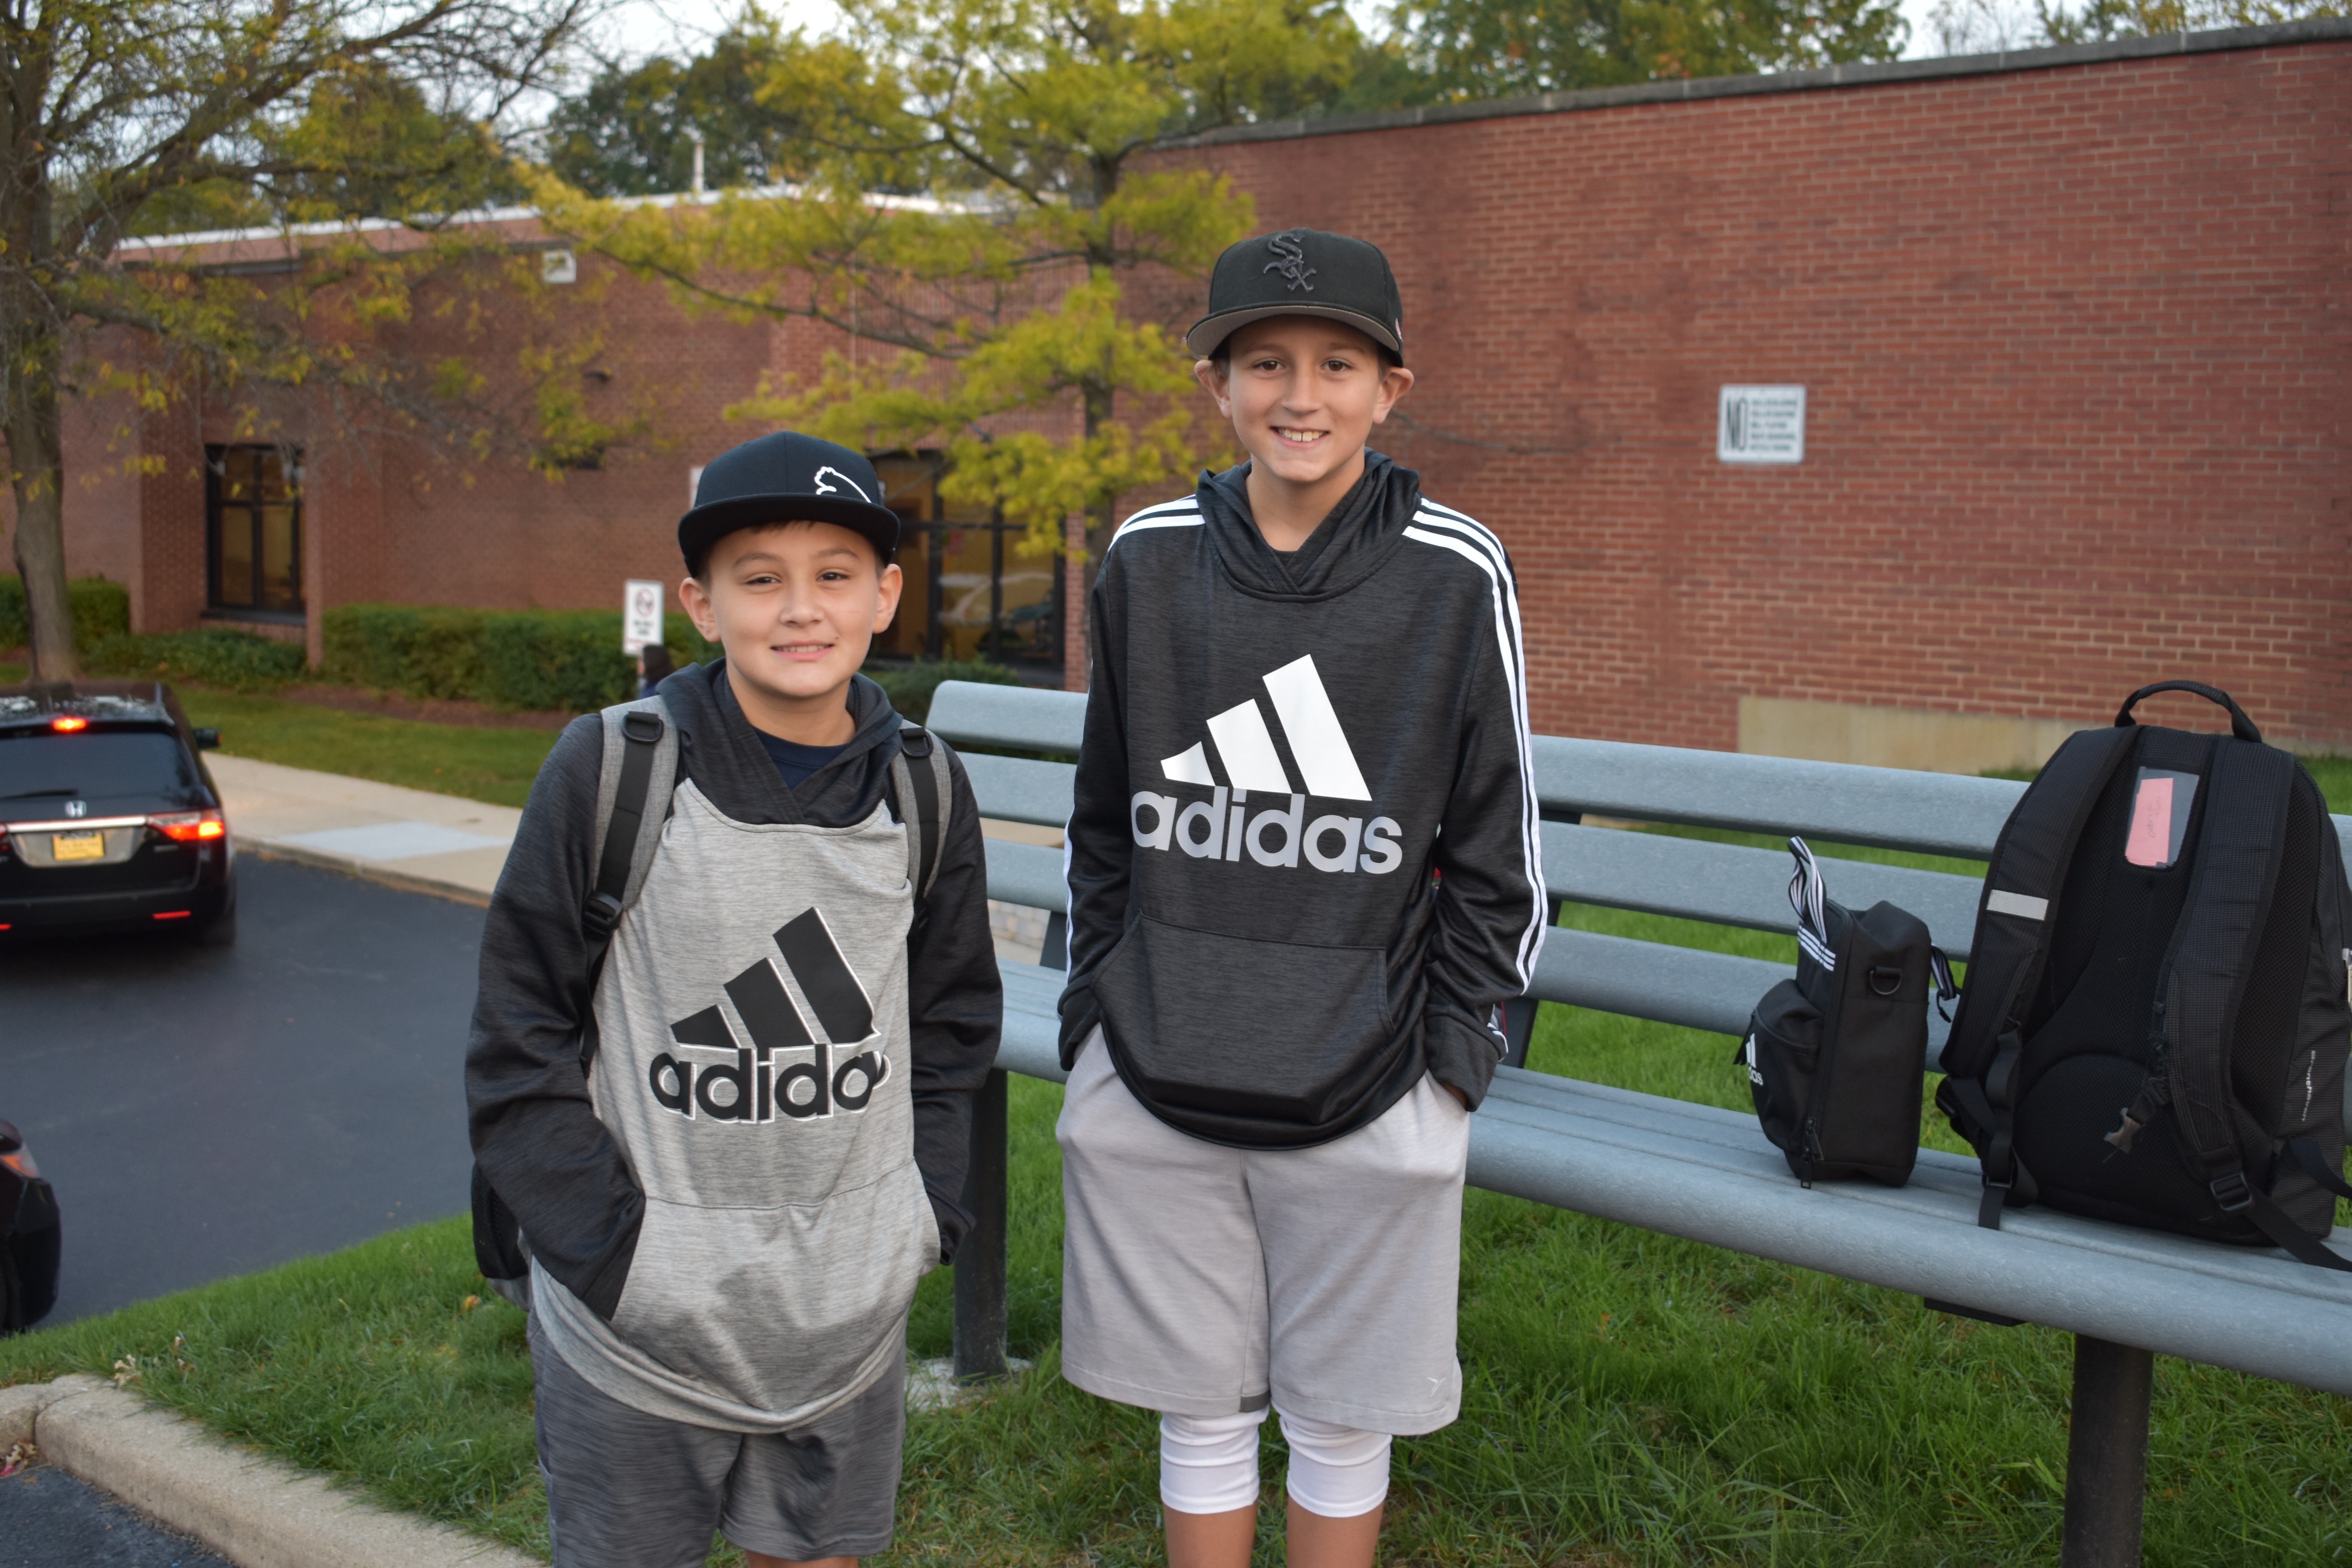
1303 876
735 1146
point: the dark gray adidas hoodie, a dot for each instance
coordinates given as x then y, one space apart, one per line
770 915
1303 865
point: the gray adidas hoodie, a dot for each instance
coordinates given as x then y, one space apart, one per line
1303 864
728 1215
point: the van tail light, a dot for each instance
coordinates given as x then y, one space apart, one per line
190 826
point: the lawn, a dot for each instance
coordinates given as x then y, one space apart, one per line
479 762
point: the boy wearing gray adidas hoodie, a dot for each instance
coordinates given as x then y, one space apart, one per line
735 1145
1303 877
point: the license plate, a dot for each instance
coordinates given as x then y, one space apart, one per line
78 846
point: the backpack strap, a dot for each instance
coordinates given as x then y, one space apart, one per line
920 780
640 766
2015 916
2204 978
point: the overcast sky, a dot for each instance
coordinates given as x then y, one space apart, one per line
638 29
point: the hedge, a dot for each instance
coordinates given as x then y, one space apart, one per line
100 609
541 659
215 655
564 660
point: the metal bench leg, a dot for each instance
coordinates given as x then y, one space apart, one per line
2106 1454
980 1261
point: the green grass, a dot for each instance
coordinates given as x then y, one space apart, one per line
478 762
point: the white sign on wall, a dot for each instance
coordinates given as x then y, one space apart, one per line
641 616
1760 424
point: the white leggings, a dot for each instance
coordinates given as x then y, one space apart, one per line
1208 1464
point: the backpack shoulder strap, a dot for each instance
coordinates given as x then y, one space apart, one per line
921 779
640 768
2203 983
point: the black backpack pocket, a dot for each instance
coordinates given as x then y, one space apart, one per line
1783 1054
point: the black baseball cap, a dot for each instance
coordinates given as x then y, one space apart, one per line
1301 272
786 478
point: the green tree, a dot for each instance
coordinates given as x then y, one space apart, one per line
2098 19
119 117
1014 273
1495 48
631 132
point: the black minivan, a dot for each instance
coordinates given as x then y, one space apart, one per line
108 816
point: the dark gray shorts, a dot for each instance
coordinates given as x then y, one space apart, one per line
626 1489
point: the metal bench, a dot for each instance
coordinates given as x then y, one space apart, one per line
1702 1173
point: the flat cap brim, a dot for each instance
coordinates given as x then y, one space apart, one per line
706 525
1209 331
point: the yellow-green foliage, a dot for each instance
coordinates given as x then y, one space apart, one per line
1004 278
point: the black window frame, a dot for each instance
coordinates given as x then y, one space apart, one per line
929 534
218 510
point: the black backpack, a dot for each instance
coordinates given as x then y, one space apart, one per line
642 737
30 1237
2155 1024
1836 1056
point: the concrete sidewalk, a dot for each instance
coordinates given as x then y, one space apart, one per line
408 838
439 844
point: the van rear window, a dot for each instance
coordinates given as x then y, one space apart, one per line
38 766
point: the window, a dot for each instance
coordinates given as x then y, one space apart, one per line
971 591
253 531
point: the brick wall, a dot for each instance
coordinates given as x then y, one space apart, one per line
2078 351
2077 344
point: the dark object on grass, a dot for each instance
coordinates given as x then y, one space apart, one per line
29 1237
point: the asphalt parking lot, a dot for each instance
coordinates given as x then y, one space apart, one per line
205 1113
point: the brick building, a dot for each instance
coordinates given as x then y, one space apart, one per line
2073 330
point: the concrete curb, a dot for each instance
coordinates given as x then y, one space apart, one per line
256 1512
367 871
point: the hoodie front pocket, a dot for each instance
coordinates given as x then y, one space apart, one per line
1277 1031
777 1308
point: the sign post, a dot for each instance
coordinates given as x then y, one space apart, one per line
641 616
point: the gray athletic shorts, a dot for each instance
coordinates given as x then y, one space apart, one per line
1200 1280
626 1489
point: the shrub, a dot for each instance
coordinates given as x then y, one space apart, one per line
100 609
240 661
558 658
910 685
423 651
568 660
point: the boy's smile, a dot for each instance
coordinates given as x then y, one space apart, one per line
1303 393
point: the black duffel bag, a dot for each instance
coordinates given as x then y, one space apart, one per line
1836 1057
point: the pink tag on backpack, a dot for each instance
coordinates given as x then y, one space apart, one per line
2149 843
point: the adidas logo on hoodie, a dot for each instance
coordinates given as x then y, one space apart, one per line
751 1083
1223 827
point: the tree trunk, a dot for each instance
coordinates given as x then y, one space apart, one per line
37 461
